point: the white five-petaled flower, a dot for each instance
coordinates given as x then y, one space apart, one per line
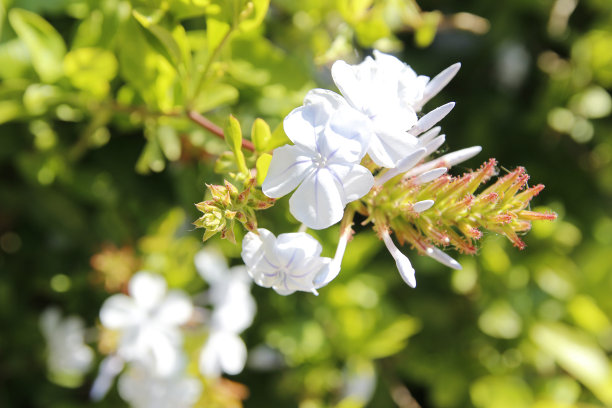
233 311
330 140
149 321
287 264
142 389
67 352
389 94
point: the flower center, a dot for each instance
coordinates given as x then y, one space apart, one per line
319 160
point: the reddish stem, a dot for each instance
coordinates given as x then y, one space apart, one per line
214 129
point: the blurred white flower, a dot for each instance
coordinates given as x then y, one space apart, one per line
67 353
142 389
148 321
233 311
223 352
110 367
287 264
229 294
330 140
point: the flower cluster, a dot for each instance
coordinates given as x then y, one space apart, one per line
368 150
142 333
147 323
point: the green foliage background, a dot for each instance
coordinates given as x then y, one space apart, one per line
97 151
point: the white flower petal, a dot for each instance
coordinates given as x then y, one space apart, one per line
147 289
389 148
460 156
110 367
223 352
431 118
304 123
429 135
292 248
439 81
429 175
443 258
330 99
176 309
211 265
433 145
421 206
347 137
289 166
403 263
345 78
406 270
119 311
357 183
317 201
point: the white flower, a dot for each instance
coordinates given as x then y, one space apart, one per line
389 94
110 367
67 352
233 311
148 320
224 352
142 389
230 292
330 140
287 264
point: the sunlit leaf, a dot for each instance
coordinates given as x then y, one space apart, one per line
91 69
46 46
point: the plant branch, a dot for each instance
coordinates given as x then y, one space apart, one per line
214 129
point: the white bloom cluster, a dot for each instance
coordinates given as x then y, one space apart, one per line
376 114
149 354
233 311
148 323
67 353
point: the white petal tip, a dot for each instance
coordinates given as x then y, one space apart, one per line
422 205
459 156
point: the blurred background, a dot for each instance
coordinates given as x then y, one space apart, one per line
100 170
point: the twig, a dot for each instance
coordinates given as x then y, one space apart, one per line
214 129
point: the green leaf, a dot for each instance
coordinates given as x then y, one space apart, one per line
261 135
160 40
253 14
279 138
226 163
46 46
233 138
426 33
183 9
91 69
393 338
216 30
263 164
169 142
214 95
151 157
578 354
